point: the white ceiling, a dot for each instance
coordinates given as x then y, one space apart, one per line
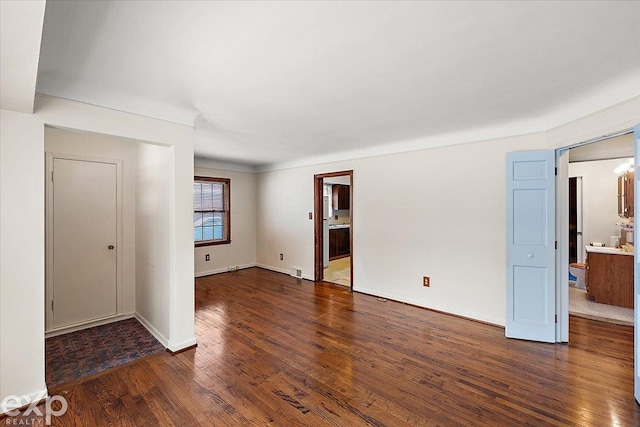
276 82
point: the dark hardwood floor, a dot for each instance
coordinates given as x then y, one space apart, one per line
276 350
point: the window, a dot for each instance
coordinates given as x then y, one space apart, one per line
211 219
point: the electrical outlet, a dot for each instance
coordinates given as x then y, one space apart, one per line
426 281
281 257
310 215
207 257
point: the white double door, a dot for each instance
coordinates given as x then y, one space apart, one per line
531 309
531 249
82 242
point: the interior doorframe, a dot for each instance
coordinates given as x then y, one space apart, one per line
49 158
562 231
318 274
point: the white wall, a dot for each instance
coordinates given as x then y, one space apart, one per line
437 212
241 251
21 256
152 214
89 144
599 199
613 119
75 115
284 201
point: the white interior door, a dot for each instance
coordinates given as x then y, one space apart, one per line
84 224
636 305
531 245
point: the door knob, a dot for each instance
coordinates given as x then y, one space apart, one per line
111 247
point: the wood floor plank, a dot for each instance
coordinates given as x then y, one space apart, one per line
275 350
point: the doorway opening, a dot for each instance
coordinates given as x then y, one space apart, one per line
596 274
575 221
333 228
97 226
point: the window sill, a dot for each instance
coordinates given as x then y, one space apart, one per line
212 243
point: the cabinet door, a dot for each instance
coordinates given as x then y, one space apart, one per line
621 195
341 196
347 241
339 242
586 274
628 194
336 196
332 244
344 241
611 279
344 197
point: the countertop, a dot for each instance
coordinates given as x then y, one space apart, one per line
337 226
607 250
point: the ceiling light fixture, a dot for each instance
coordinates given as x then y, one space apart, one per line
622 168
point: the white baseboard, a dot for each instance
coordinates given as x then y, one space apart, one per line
272 268
222 270
87 325
17 402
175 347
152 330
283 271
442 310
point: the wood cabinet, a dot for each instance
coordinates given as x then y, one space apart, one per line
620 196
628 194
625 195
341 197
339 243
609 278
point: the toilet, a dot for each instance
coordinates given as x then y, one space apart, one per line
577 269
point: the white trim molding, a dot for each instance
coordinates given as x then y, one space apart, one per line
223 270
283 271
90 324
177 347
163 340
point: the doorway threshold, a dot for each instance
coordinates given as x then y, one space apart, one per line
581 306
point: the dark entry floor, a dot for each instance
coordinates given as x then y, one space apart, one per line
76 355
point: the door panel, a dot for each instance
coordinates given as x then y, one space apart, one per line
84 227
529 294
531 245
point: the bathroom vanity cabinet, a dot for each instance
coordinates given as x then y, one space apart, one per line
609 277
